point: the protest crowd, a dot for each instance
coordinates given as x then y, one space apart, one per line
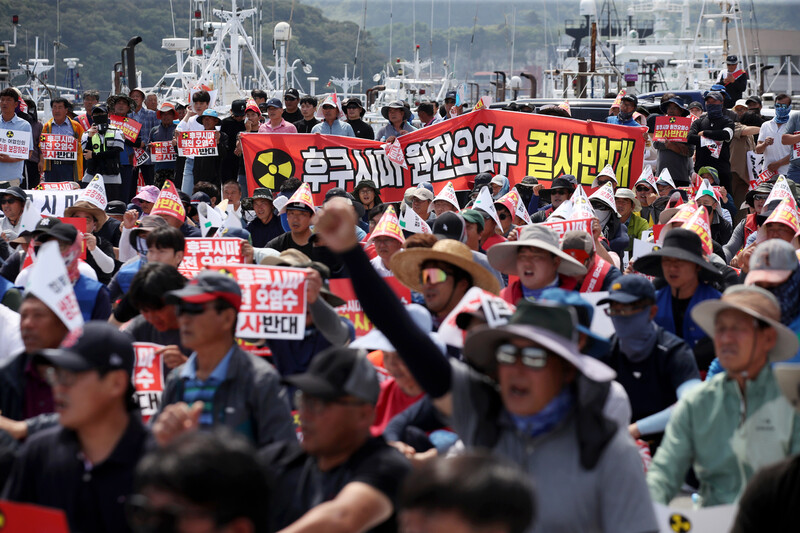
198 335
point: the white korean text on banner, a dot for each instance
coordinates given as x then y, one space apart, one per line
205 252
197 143
148 378
162 152
59 147
273 301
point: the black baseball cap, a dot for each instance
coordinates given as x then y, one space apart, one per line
115 207
448 225
755 99
208 286
238 108
291 93
338 372
628 289
97 345
47 229
631 98
263 192
199 197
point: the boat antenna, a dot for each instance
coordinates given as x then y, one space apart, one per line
358 36
391 26
471 42
172 14
430 43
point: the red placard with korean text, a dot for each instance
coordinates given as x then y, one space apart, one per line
59 147
58 186
204 252
129 127
162 152
343 288
674 129
148 378
273 301
197 143
80 225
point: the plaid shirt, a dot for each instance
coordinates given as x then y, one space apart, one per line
148 120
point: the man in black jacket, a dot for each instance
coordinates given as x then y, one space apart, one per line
711 134
355 112
655 367
734 80
220 384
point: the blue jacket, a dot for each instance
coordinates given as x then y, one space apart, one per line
86 291
691 331
4 286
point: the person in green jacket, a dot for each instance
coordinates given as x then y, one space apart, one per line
627 207
738 422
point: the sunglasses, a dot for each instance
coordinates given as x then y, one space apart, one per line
760 197
624 311
602 183
602 207
531 356
559 192
189 308
8 200
289 98
642 188
783 106
352 107
143 516
432 276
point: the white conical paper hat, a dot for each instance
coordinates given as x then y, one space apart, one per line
50 282
447 194
485 203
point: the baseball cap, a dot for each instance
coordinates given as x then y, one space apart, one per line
274 102
60 231
337 372
628 289
773 261
238 107
695 105
115 207
755 99
208 286
741 102
578 244
732 60
474 217
97 345
291 93
631 98
200 197
422 193
715 95
263 192
451 95
449 225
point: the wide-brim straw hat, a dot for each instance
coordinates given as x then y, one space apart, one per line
99 215
756 302
407 264
503 256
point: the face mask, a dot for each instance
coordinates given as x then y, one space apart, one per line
636 335
714 110
624 116
100 118
782 113
602 216
709 210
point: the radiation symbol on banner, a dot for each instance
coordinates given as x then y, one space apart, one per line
679 523
2 519
272 167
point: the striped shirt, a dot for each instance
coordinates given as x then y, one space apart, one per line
195 389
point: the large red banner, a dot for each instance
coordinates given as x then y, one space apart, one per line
504 143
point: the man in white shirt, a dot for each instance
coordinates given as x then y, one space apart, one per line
776 154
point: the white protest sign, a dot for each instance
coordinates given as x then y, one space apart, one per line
14 143
496 310
705 520
50 282
95 193
601 322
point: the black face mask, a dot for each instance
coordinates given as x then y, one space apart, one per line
100 118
